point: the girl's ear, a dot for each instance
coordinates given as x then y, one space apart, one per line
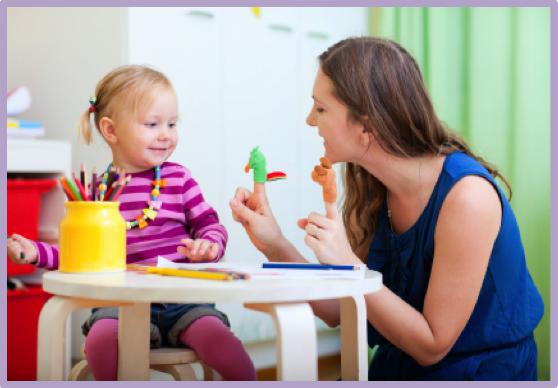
107 129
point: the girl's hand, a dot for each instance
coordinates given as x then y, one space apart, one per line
327 238
253 212
199 249
21 250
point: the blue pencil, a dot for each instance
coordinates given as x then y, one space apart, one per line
309 266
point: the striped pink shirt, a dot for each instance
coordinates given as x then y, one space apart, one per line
183 214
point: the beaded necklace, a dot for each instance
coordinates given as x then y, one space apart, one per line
148 213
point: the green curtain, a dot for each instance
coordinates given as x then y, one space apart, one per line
488 73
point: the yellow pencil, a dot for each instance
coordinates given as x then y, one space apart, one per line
189 273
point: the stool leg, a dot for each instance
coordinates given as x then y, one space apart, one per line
207 372
180 372
79 372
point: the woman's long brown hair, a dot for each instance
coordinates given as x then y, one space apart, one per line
378 79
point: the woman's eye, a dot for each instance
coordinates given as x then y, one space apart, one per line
320 110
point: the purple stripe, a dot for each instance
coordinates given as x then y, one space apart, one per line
147 190
131 215
175 257
193 202
47 255
217 231
160 221
140 205
151 253
206 218
173 180
144 197
155 233
177 234
42 261
189 184
148 244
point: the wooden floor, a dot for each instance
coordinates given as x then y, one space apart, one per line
329 369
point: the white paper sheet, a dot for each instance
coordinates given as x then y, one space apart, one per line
257 272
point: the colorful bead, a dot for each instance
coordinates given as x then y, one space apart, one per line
159 183
150 213
154 204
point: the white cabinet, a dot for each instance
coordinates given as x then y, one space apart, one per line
244 80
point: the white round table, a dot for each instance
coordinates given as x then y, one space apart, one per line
285 299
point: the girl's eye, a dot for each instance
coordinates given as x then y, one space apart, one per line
151 125
172 125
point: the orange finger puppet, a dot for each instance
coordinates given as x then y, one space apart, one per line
324 175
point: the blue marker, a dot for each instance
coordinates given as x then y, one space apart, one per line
309 266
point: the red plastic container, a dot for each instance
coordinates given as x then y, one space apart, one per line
24 201
24 307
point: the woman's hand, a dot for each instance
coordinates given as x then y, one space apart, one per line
199 249
21 250
326 236
253 212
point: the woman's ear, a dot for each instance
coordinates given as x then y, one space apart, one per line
365 135
107 129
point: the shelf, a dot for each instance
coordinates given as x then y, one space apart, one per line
39 156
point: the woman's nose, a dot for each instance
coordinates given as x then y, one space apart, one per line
310 120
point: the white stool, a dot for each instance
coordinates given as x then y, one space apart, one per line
175 361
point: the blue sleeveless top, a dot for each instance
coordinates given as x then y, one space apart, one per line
497 342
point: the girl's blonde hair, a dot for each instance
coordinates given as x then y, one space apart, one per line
119 94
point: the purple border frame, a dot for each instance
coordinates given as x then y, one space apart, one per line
324 3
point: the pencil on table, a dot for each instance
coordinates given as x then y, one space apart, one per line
196 274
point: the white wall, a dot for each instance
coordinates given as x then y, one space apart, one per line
60 54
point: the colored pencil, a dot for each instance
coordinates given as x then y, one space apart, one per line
73 187
94 184
80 187
84 182
187 273
109 191
66 188
121 188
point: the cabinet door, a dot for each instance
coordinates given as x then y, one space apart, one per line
184 43
259 108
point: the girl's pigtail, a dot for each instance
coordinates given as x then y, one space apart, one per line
84 126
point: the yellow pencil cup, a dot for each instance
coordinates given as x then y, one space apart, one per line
92 238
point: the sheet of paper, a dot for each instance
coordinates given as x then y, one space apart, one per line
257 272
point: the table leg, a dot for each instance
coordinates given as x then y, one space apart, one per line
354 345
51 346
297 345
133 342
